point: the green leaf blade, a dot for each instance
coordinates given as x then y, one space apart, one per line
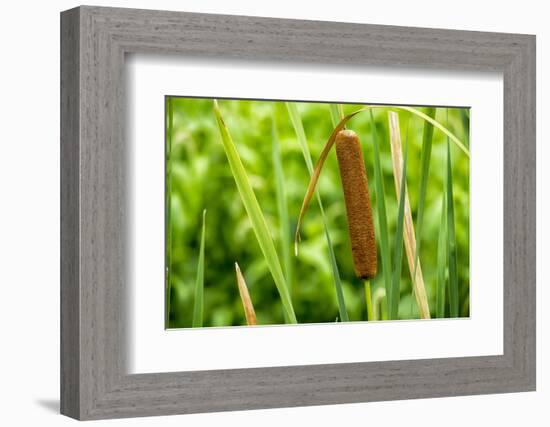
255 215
451 240
336 114
282 206
441 261
438 125
425 157
380 193
198 309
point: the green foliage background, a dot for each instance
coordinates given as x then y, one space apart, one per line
199 177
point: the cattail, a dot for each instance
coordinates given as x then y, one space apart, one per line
358 207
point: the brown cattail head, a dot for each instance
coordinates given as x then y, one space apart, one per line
358 207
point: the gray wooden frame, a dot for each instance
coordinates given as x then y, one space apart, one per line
94 382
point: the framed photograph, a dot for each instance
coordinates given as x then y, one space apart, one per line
261 213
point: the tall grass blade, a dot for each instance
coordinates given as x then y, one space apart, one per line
256 217
451 240
441 262
460 144
198 309
248 307
465 118
384 234
336 113
300 133
378 308
168 207
282 205
425 157
398 247
417 278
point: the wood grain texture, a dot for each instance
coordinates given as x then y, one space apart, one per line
94 233
70 314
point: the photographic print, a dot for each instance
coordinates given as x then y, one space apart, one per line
283 212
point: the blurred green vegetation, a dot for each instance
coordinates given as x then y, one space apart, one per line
199 177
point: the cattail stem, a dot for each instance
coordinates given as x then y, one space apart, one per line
368 301
358 207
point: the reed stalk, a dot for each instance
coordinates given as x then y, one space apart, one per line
409 234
